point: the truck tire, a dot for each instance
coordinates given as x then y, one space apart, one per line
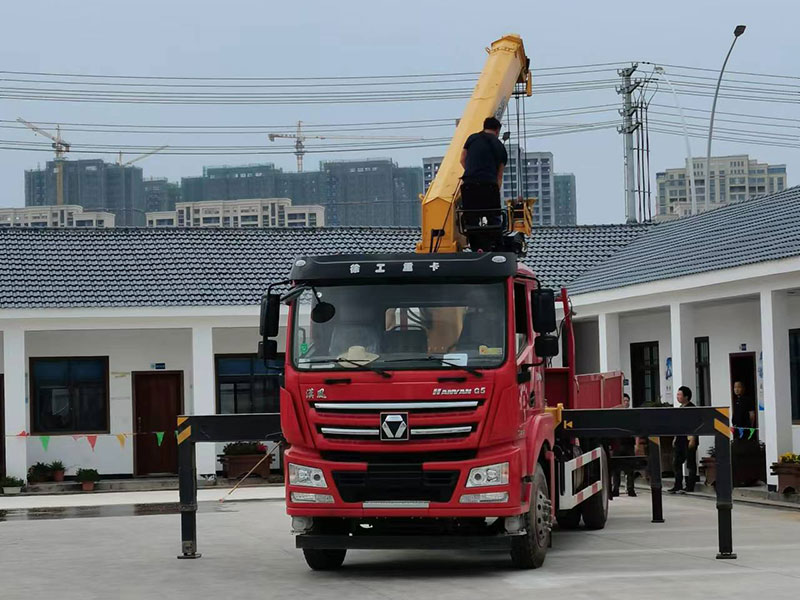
528 551
595 509
324 560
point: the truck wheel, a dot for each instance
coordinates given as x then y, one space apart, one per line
595 509
528 551
324 560
569 519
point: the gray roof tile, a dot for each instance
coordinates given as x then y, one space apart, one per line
742 233
60 268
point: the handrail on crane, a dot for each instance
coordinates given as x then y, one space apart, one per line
506 66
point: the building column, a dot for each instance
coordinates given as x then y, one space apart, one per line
681 320
203 394
775 416
15 417
608 334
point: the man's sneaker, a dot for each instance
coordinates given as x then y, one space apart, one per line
674 490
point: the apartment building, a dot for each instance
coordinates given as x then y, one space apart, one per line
254 212
66 215
732 178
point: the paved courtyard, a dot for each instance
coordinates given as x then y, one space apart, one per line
248 553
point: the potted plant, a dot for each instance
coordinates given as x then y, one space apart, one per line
709 466
39 472
87 478
238 458
788 471
57 470
11 485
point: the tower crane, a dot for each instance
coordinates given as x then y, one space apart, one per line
122 166
61 147
300 138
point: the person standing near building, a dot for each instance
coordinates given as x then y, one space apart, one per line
484 158
684 449
744 407
624 447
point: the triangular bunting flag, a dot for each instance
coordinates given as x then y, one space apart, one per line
121 439
159 437
76 437
176 433
22 433
752 431
741 432
92 440
45 439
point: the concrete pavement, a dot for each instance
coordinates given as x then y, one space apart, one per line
248 552
146 497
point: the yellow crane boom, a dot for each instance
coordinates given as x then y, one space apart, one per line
505 66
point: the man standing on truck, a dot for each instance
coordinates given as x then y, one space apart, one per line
685 449
484 158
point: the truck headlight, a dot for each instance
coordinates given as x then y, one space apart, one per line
490 497
305 497
306 476
496 474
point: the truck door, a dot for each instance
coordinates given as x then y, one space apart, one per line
523 343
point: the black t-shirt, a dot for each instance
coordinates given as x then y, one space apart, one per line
485 154
742 407
682 441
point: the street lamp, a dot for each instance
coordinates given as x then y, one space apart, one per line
736 33
689 159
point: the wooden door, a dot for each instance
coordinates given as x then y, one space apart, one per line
157 401
743 368
645 373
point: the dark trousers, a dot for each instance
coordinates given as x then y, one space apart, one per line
616 477
481 214
684 454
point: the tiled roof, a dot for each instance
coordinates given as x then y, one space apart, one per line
59 268
743 233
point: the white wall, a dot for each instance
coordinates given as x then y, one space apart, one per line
127 350
587 347
650 326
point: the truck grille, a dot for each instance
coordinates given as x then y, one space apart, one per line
416 433
421 406
395 482
435 419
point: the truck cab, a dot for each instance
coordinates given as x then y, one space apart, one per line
414 399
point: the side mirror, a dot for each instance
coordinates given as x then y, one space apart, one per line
268 350
546 346
270 315
543 309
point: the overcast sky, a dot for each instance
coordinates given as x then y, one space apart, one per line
311 38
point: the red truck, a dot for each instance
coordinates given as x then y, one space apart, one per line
419 411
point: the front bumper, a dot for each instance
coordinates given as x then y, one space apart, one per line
406 542
395 500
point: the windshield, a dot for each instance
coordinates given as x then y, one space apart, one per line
401 326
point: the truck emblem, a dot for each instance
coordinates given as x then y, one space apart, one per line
310 394
321 394
394 427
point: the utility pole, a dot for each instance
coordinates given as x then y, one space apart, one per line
628 128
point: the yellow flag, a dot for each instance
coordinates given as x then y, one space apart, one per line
121 439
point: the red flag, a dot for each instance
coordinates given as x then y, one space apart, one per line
23 433
92 440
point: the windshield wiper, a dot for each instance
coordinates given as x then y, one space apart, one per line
470 370
318 361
